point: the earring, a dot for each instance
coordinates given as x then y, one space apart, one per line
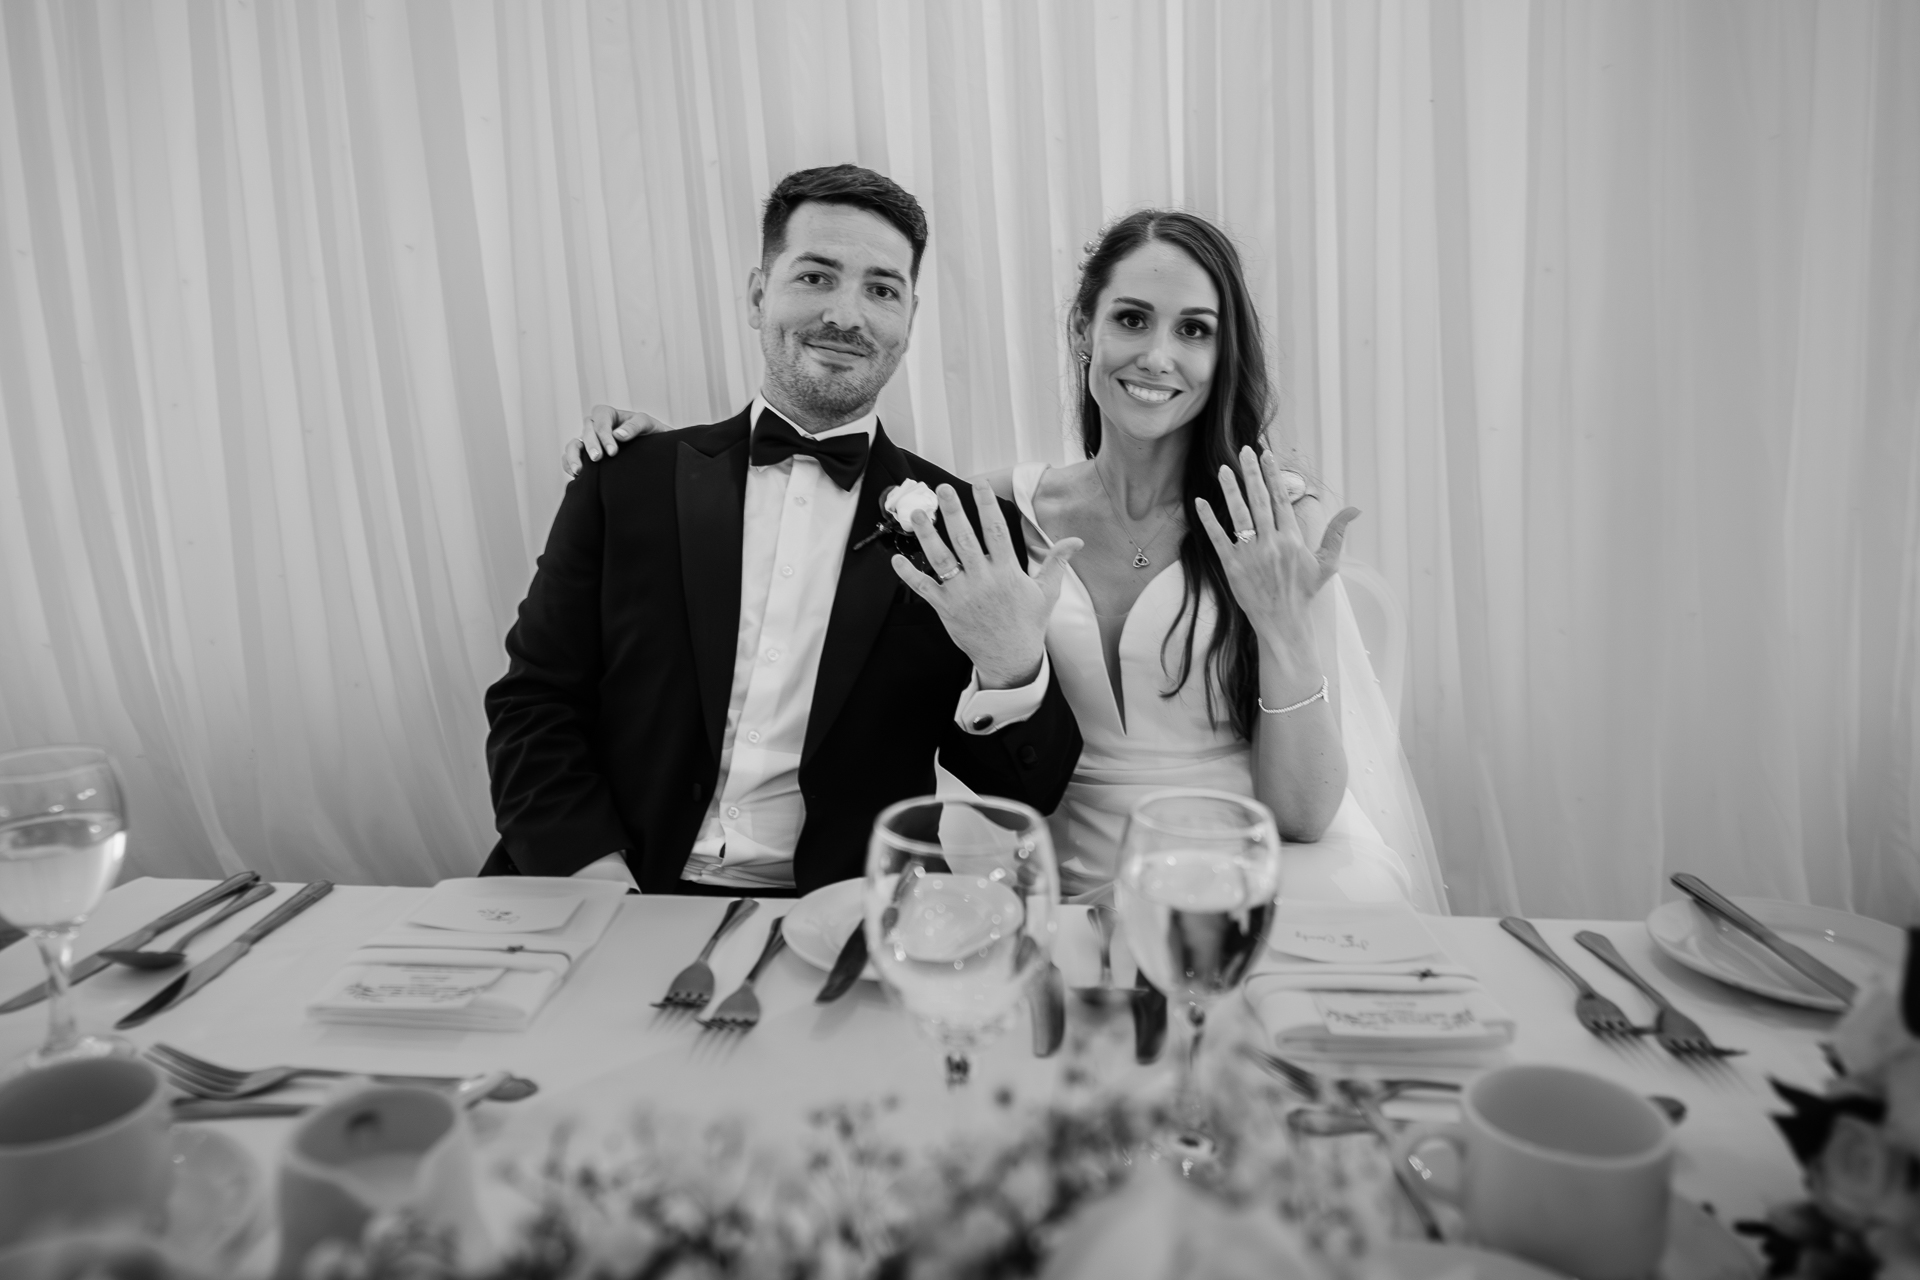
1086 357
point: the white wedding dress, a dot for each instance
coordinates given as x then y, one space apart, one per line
1170 742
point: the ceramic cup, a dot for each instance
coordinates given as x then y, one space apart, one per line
376 1149
83 1146
1561 1167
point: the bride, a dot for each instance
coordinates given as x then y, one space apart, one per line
1186 635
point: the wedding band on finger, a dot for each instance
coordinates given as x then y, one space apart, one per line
1243 536
948 576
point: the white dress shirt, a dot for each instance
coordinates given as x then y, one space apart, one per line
796 522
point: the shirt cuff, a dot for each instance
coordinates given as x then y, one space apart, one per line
612 867
984 711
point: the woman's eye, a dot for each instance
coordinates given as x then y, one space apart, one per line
1130 320
1196 331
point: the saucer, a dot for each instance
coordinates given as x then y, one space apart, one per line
1699 1247
217 1208
1858 947
820 923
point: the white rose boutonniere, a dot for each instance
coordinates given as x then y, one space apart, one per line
907 497
897 505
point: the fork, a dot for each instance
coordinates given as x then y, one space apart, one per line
211 1080
1596 1013
692 987
741 1010
1678 1034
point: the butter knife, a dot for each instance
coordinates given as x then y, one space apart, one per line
847 969
140 937
223 959
1724 907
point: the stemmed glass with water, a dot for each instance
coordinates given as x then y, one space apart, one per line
960 899
1199 871
63 831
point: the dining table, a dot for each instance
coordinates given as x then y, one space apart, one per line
601 1042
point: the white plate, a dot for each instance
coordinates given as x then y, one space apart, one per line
1857 947
218 1204
820 923
1699 1247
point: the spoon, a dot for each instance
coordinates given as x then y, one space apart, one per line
170 959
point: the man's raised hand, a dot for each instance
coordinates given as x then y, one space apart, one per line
605 428
991 607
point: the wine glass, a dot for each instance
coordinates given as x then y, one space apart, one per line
63 831
1199 871
961 892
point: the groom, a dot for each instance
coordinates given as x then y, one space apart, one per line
717 679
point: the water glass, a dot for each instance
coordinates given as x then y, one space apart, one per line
63 832
1199 872
960 899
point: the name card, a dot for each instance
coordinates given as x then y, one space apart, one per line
1396 1017
476 913
1347 933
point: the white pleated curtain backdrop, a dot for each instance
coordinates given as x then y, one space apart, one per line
1605 315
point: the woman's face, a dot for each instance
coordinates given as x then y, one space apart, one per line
1154 340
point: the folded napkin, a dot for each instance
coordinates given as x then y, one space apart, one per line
1368 981
475 955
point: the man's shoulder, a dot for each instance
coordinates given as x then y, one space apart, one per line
709 438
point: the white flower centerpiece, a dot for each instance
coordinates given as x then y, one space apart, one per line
1860 1145
1069 1191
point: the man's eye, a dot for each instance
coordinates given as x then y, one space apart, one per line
812 277
886 291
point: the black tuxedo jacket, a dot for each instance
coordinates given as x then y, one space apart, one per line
606 729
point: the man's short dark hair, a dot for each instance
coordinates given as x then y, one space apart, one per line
842 184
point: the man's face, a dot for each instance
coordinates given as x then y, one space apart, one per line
834 310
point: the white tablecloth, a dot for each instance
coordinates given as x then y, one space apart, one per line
600 1037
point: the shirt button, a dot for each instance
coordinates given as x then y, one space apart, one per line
799 502
982 723
733 811
773 655
753 735
786 571
1028 755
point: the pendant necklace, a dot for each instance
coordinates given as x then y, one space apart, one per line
1140 558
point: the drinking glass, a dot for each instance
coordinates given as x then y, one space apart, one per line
961 892
63 830
1199 871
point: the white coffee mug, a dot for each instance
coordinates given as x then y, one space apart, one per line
83 1146
1558 1166
377 1149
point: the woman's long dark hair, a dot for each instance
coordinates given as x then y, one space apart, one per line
1234 415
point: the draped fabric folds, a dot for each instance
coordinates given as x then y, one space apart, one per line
1605 314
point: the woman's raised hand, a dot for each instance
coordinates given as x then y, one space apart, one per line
1271 571
605 428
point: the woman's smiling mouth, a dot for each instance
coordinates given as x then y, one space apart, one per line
1148 395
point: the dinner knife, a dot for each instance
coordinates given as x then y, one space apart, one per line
220 961
847 969
1724 907
140 937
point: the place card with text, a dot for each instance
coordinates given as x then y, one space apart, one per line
1376 1015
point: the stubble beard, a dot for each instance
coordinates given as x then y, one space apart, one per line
825 396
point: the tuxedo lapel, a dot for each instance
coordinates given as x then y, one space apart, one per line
709 490
860 600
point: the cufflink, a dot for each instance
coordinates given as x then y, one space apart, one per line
982 723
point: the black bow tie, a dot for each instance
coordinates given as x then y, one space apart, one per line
841 457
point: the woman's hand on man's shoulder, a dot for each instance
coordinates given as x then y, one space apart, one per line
603 432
